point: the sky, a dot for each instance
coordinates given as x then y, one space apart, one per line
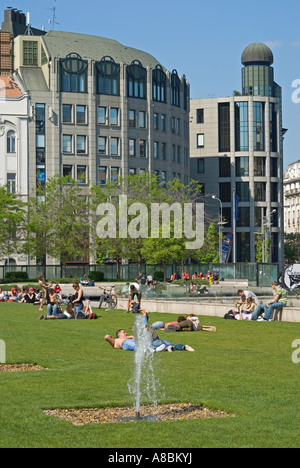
203 40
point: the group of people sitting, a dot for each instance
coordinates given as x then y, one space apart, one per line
250 308
24 295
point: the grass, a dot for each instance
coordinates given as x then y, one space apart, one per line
244 368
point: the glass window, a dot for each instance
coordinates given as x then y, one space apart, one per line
200 140
102 115
114 174
259 167
40 141
131 118
142 144
273 128
274 167
81 144
67 143
242 167
81 114
163 122
175 89
259 126
156 121
30 53
11 142
81 174
74 74
164 150
200 116
224 167
242 191
136 80
201 165
108 77
241 126
243 246
244 217
11 183
68 172
142 119
259 191
102 145
67 113
159 81
225 191
102 175
132 147
114 116
156 150
224 127
114 146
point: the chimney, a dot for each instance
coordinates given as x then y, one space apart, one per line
14 16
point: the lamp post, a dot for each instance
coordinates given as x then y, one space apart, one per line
220 228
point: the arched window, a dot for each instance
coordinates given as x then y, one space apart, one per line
175 89
159 80
11 142
74 74
108 77
136 80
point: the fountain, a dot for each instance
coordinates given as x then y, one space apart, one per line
144 381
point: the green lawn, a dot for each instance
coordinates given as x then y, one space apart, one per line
244 368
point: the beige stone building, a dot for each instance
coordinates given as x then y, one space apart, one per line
291 189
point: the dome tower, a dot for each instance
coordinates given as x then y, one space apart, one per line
257 74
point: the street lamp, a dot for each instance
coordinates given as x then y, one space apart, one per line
266 223
220 228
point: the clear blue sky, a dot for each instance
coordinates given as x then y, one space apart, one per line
202 39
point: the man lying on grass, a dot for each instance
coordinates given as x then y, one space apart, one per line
127 343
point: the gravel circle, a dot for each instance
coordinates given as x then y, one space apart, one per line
170 412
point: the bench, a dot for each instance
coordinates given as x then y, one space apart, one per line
277 315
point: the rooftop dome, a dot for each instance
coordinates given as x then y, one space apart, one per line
257 53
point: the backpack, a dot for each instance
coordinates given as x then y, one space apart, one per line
229 315
92 316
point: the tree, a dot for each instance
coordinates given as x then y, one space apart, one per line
292 248
12 223
58 222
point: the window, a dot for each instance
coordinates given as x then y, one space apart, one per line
142 144
102 115
224 167
156 150
114 146
225 191
200 116
259 126
108 77
259 167
163 123
159 80
200 140
201 166
132 171
244 217
273 128
259 191
68 172
81 144
73 74
11 183
224 127
67 113
81 175
241 126
102 145
242 191
30 53
67 143
11 142
242 167
102 175
136 80
81 115
114 174
178 154
156 121
40 141
164 150
175 89
142 119
132 147
131 118
114 116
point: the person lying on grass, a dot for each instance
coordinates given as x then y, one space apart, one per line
127 343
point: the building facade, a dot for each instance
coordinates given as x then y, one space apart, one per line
291 189
236 146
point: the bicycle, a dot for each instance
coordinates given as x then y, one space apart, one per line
108 298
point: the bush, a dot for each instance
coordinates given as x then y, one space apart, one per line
158 276
96 276
15 277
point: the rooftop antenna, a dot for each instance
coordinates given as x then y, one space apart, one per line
28 31
53 20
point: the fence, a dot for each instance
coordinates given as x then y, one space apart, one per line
258 274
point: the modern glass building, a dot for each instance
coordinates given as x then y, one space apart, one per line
236 147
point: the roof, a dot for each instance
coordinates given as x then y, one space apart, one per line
257 53
33 79
9 88
60 44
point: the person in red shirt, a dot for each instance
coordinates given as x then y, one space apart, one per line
186 275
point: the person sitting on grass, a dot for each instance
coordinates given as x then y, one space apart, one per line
67 314
127 343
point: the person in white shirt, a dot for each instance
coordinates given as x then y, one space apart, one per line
134 290
248 294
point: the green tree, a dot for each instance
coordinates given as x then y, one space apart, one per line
12 223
